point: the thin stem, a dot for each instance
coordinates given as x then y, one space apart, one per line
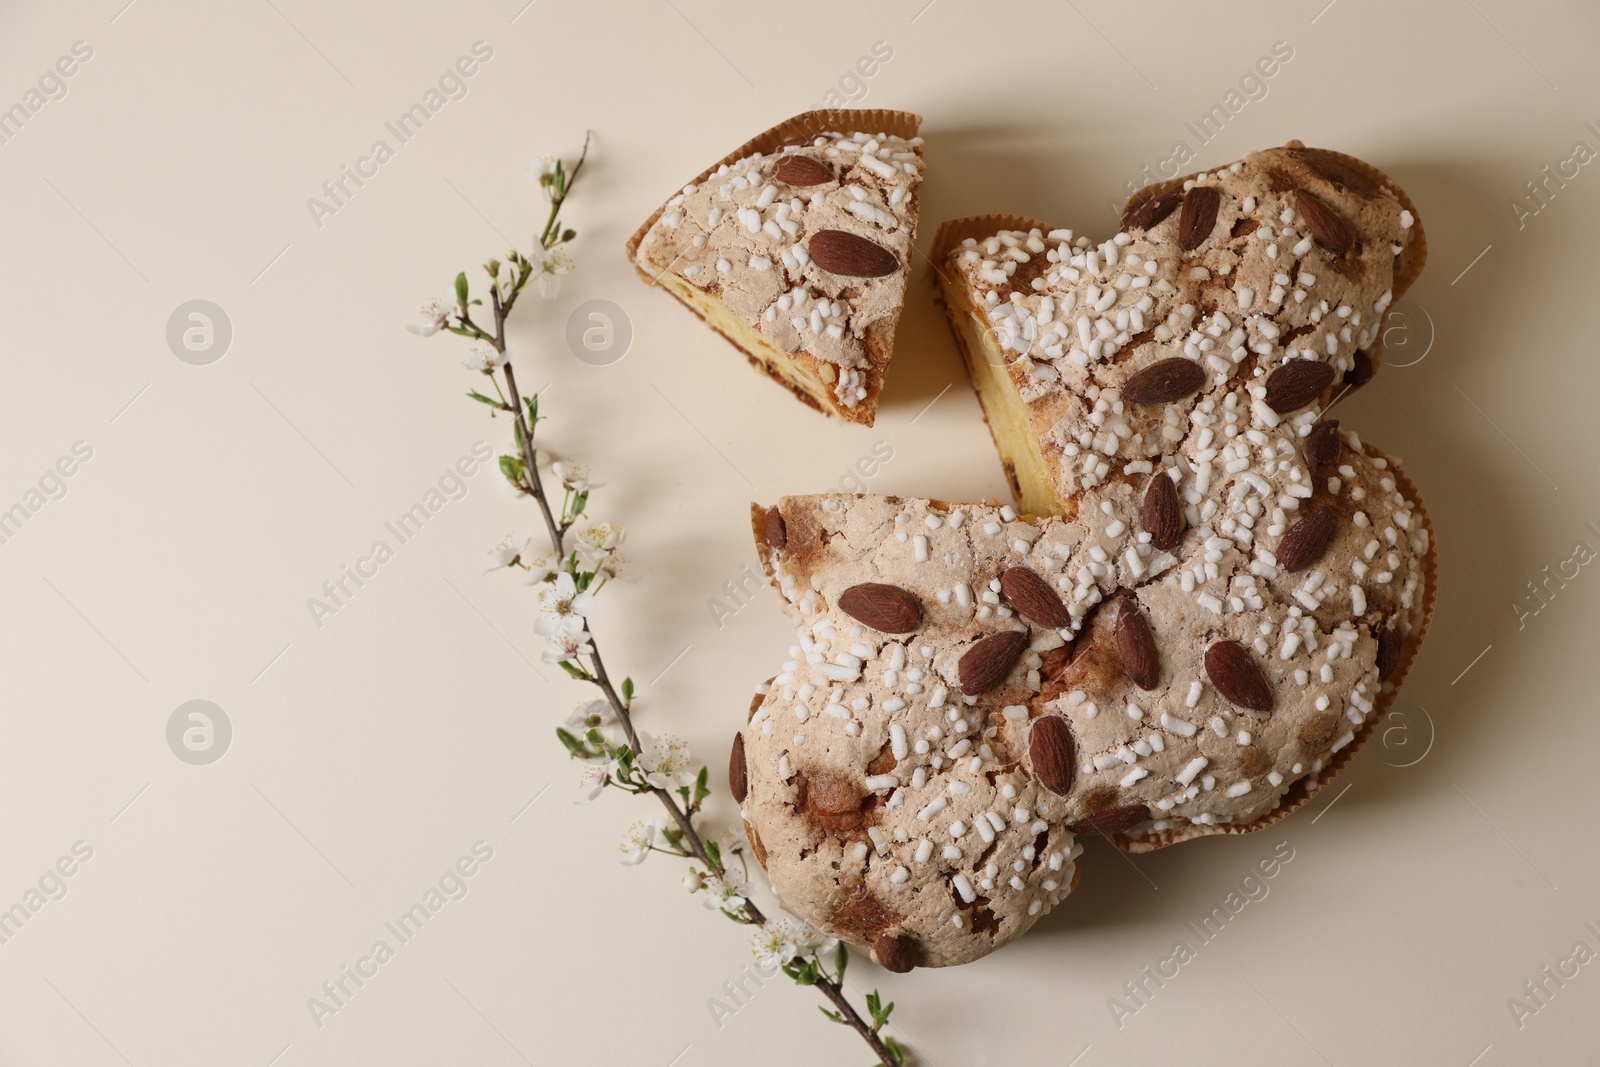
833 992
557 529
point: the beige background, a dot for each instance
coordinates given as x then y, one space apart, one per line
369 753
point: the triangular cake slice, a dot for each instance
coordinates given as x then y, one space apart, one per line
796 248
971 689
1273 273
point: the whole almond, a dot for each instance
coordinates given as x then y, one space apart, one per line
1332 166
1390 645
1233 671
1150 211
1361 372
776 530
1307 539
1052 753
1322 445
738 774
1110 821
1141 662
986 664
1033 598
802 170
850 255
1327 229
1164 382
897 952
1163 513
886 608
1199 216
1296 384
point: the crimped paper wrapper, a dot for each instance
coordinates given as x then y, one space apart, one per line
807 125
949 237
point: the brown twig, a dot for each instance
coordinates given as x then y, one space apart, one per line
557 531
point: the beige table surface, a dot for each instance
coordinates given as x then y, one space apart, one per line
1451 865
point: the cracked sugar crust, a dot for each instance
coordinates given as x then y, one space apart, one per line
882 800
1259 290
743 236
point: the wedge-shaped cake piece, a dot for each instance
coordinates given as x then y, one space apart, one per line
971 690
1273 273
796 248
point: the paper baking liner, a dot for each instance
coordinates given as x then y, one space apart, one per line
808 124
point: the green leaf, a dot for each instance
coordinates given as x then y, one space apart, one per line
511 467
579 502
835 1016
573 670
841 960
872 1003
714 853
627 689
574 746
896 1053
532 404
701 790
480 398
461 289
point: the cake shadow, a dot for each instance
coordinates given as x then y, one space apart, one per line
971 171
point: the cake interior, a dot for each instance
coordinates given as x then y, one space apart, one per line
1009 421
787 368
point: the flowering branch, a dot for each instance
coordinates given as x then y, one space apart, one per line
568 579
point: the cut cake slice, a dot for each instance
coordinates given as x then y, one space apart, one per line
796 247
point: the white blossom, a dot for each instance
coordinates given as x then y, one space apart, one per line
481 356
726 892
574 476
567 647
542 169
593 778
600 539
549 264
591 715
435 317
637 841
781 940
665 760
562 608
